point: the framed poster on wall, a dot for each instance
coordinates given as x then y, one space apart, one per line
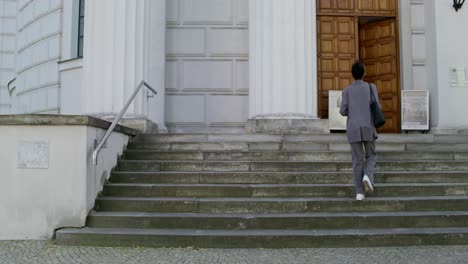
337 121
415 110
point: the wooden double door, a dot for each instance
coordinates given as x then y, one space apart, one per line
348 30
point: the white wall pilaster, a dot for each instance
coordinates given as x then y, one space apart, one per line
155 57
283 75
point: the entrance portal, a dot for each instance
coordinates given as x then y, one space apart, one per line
359 29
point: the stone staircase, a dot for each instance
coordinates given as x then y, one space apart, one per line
277 191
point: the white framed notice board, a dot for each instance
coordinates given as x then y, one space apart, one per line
414 110
337 121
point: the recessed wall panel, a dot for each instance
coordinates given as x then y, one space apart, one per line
207 75
227 109
242 75
206 11
242 11
189 41
172 11
185 109
172 75
226 41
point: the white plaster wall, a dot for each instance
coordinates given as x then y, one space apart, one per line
71 90
207 69
96 175
7 51
37 201
38 51
452 43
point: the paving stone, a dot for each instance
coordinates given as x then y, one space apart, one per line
42 252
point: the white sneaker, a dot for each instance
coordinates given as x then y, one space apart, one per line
367 184
360 197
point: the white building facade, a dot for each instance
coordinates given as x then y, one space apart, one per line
215 63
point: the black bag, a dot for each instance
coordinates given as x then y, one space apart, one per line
377 114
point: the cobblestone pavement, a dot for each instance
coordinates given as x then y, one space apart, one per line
39 252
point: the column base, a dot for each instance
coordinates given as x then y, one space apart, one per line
292 126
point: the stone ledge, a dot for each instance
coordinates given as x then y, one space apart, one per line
62 120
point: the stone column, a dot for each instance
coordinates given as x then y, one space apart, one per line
282 58
283 71
118 51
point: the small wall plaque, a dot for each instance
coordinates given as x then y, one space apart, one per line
415 110
458 76
33 154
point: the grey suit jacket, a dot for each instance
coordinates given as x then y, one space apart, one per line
355 104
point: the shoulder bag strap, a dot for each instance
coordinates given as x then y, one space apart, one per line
372 93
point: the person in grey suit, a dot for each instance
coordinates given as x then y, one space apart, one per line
360 130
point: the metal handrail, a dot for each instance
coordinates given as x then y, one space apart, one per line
117 119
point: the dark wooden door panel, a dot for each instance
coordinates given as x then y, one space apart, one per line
376 7
335 6
336 37
378 51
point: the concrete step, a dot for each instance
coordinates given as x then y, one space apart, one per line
292 166
210 137
287 221
279 205
285 177
280 190
254 146
291 146
276 191
340 137
236 146
262 238
285 156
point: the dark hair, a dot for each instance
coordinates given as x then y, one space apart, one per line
358 70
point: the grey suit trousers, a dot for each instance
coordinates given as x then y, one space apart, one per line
364 159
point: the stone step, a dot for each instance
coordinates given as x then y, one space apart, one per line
285 177
280 190
279 205
238 146
291 146
292 166
364 220
285 156
262 238
340 137
212 137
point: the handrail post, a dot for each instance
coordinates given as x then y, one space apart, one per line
117 119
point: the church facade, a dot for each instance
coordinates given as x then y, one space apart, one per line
218 63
